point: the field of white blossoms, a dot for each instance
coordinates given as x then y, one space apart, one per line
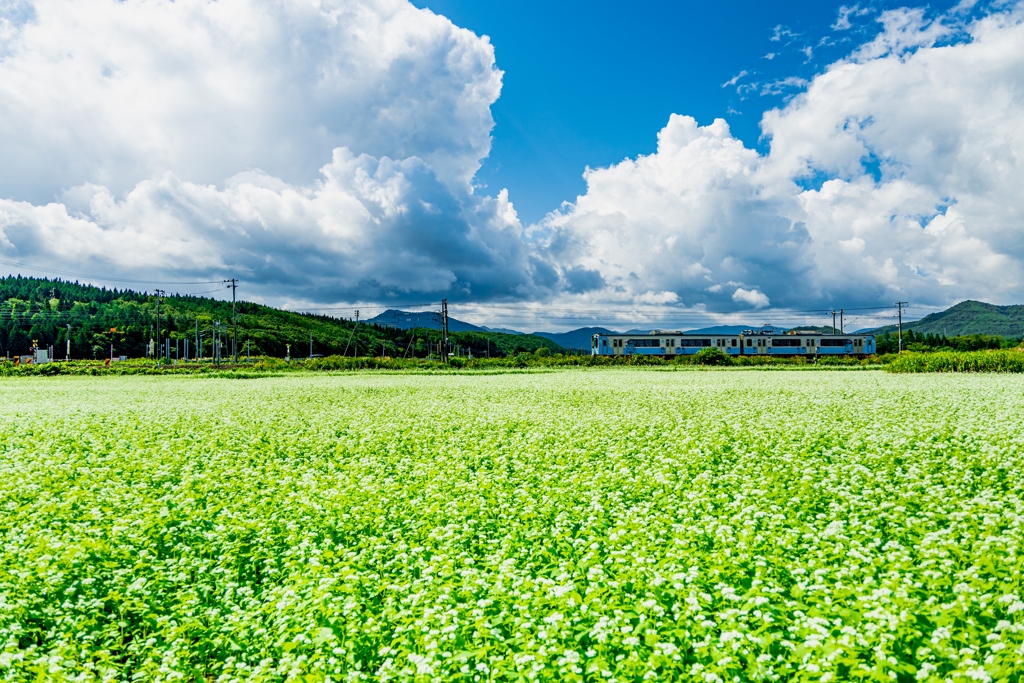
615 525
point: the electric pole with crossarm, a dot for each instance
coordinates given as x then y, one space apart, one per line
159 293
233 284
899 310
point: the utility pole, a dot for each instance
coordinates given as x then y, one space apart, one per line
159 293
311 345
199 349
899 312
841 331
68 357
833 322
233 284
351 336
444 329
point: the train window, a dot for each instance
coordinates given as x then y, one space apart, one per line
734 342
785 342
836 342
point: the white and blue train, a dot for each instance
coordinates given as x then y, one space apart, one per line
762 342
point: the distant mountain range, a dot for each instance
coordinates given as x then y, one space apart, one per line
969 317
579 338
407 320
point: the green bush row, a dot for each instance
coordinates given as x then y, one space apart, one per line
959 361
707 357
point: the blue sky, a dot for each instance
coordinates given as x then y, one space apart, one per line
591 83
379 153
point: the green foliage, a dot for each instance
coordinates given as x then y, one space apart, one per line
41 309
955 361
711 526
542 352
918 342
711 356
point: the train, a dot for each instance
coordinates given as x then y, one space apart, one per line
766 341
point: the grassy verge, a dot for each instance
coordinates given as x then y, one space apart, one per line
959 361
267 365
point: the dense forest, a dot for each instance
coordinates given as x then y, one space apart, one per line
888 342
101 322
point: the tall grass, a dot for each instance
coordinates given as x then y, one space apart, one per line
959 361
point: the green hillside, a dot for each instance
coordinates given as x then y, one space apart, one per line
969 318
51 311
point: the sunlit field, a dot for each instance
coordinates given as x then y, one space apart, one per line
601 525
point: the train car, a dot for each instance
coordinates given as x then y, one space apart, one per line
761 342
769 341
663 343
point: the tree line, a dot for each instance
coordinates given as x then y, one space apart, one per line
99 321
888 342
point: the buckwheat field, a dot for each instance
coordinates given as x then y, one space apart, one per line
617 525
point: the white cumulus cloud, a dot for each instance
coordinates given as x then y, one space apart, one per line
320 151
117 92
894 174
325 151
750 296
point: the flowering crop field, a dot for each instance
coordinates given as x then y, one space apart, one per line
602 525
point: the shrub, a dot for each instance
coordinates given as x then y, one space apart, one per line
959 361
711 356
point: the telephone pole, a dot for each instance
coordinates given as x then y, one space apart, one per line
444 329
159 293
899 312
833 322
841 331
351 336
233 284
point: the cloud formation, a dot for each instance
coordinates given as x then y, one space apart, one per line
895 174
325 152
117 92
322 151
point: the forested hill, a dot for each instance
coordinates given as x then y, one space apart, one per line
969 318
95 317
